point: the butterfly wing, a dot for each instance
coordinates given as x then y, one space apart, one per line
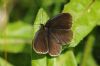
60 27
54 47
62 36
61 21
40 43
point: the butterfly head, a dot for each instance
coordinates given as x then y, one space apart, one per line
43 26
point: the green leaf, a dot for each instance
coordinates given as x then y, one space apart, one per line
67 59
84 20
4 62
18 30
87 55
16 37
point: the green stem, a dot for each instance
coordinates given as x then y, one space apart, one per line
87 50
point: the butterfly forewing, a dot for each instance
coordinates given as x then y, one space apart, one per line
40 43
61 21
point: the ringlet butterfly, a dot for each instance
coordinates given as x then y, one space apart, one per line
55 33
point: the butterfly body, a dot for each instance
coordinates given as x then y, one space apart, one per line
55 33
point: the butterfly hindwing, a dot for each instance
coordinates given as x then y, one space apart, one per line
54 46
62 36
40 43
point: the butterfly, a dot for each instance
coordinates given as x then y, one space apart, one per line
55 33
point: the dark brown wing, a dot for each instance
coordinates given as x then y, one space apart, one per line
62 36
54 47
40 43
61 21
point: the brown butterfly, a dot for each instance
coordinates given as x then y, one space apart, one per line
55 33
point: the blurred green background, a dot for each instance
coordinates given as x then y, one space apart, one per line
17 21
